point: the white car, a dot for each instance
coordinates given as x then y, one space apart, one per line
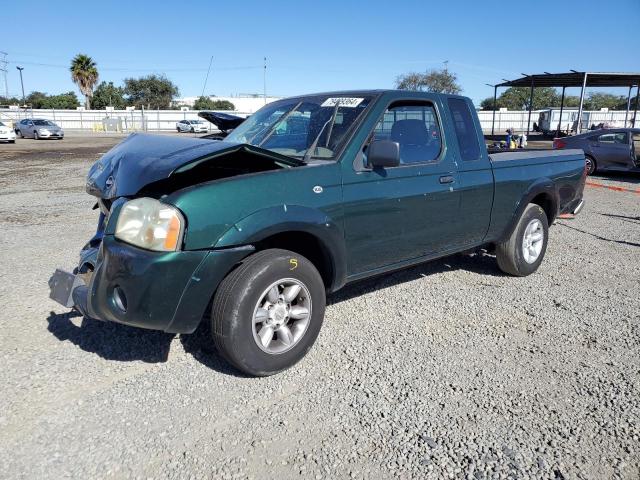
7 134
195 126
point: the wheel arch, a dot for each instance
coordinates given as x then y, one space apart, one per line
306 231
541 193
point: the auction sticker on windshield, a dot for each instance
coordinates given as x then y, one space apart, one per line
350 102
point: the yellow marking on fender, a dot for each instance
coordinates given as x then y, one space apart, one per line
294 263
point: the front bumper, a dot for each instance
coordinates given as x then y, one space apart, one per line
155 290
8 136
51 135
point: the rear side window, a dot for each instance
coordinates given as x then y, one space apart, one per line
465 129
620 137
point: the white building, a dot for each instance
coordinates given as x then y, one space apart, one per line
243 103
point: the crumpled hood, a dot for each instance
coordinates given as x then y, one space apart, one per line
142 159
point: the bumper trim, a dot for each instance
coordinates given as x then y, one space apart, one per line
578 207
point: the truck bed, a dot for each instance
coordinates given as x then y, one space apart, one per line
513 158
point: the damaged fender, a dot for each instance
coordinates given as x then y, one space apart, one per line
292 218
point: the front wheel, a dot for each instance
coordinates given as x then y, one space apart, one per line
522 253
267 313
36 136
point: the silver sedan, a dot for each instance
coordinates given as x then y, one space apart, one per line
38 128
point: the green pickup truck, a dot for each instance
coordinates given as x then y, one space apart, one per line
305 196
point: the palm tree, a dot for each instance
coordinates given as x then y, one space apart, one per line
84 74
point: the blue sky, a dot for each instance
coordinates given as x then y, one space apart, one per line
316 46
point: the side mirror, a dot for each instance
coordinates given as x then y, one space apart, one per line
383 153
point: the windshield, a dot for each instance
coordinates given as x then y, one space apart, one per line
45 123
318 123
2 124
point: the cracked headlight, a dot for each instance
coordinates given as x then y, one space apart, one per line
148 223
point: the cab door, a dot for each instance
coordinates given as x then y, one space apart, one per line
397 214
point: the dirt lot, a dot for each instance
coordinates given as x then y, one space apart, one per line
450 369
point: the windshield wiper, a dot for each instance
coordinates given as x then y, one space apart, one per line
312 148
276 123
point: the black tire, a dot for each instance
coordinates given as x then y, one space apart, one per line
235 301
12 141
20 133
178 129
36 136
592 166
193 130
511 253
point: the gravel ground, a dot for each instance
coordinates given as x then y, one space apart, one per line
450 369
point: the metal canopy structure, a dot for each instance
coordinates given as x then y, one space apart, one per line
573 79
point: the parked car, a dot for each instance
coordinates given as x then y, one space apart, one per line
224 122
616 149
7 134
259 227
38 128
195 126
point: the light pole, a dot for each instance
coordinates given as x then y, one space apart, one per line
22 84
495 101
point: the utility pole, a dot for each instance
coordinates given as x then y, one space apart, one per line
446 65
3 69
24 102
264 81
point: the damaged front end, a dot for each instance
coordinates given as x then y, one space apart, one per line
124 282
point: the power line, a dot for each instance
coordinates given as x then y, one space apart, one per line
157 69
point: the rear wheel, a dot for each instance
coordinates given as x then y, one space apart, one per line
267 313
522 253
20 133
591 165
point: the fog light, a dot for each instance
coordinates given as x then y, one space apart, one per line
120 299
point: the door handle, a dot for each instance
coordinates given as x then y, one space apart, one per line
447 179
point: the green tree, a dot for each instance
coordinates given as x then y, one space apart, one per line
152 91
84 73
437 81
623 104
9 100
36 99
207 103
107 94
517 98
62 101
598 100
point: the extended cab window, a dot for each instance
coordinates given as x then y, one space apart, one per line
415 127
465 129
